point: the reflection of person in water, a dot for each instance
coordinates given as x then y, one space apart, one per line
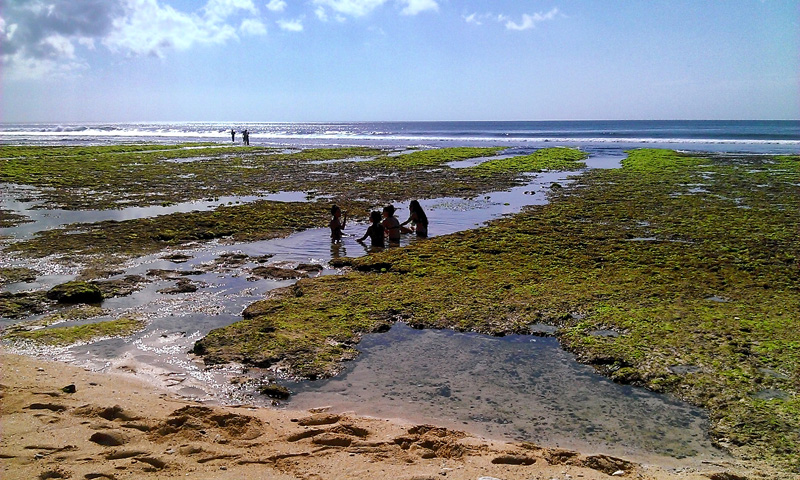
418 220
391 224
375 231
338 222
233 135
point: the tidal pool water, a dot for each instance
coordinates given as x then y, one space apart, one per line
512 388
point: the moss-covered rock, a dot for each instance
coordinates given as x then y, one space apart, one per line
75 292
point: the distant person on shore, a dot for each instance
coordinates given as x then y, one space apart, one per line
233 135
375 231
338 222
417 219
246 137
391 224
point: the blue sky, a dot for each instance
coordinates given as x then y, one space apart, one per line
351 60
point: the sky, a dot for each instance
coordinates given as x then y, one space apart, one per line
398 60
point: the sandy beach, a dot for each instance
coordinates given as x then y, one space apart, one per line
115 426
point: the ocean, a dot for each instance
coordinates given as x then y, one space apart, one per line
753 136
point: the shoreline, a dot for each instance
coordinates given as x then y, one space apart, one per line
118 426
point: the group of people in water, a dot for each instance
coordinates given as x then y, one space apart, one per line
383 225
245 136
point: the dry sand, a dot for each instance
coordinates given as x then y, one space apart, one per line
117 427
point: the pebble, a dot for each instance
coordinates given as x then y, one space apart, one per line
618 473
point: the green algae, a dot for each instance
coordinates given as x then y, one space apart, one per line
10 219
69 335
644 251
435 157
108 243
557 159
120 176
16 274
117 177
250 222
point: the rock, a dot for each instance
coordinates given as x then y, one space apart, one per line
273 390
319 419
108 439
276 273
332 440
69 389
183 286
513 460
75 292
309 267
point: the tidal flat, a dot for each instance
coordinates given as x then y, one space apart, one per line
676 272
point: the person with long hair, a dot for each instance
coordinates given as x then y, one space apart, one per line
417 219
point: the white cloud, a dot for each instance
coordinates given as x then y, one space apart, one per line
41 36
414 7
291 25
219 10
276 5
354 8
321 14
474 18
529 21
251 26
150 29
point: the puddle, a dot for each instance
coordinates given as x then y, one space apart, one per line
512 388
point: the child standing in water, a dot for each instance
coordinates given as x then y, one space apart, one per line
337 224
418 220
375 231
391 224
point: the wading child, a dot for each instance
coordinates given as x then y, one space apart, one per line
375 231
391 224
337 224
418 220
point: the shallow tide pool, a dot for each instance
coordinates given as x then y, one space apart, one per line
518 387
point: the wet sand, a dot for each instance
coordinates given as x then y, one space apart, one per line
115 426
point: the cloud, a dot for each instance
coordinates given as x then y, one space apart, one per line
276 5
529 21
360 8
41 37
414 7
30 28
291 25
251 26
353 8
219 10
150 29
474 18
321 14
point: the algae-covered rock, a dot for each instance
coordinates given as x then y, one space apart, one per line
75 292
18 305
273 390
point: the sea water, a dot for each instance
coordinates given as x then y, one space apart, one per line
759 136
